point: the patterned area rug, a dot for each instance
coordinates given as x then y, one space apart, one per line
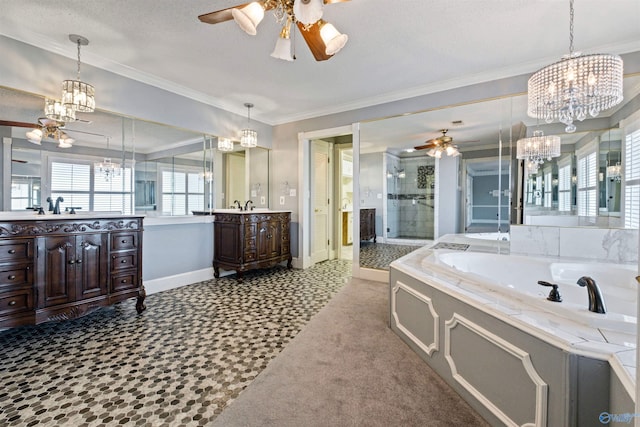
181 362
380 255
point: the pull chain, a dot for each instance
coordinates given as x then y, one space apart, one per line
78 60
571 28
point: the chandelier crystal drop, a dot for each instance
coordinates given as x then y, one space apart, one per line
576 86
225 144
248 136
538 148
107 168
56 110
76 94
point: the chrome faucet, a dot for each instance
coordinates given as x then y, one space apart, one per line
596 302
237 202
246 205
56 209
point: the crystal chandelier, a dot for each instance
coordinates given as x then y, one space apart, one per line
107 167
225 144
538 148
248 137
56 110
576 86
77 94
614 172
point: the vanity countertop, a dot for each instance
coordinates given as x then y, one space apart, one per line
33 216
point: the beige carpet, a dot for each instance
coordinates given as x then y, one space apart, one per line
347 368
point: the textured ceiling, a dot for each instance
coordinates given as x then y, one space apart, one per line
396 49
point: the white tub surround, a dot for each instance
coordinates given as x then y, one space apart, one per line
616 245
461 312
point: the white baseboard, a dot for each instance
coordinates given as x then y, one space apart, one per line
171 282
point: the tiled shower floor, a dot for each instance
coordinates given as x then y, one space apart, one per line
181 362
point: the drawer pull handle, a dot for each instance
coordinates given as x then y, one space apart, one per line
72 261
12 277
124 241
12 303
123 261
12 251
79 261
123 281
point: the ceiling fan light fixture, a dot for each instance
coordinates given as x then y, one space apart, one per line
64 141
249 17
282 49
333 39
56 110
225 144
308 12
34 136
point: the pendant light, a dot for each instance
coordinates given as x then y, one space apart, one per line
249 137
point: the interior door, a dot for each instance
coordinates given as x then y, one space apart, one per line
320 238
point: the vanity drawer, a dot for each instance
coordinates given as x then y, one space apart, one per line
16 250
124 261
124 281
124 241
16 276
16 301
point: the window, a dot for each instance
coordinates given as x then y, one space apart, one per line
564 187
182 191
587 182
82 187
632 179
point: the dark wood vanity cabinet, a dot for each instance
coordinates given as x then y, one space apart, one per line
57 269
368 224
246 240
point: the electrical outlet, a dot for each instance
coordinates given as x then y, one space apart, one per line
263 200
282 200
292 192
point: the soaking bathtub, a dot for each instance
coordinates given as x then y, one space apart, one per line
483 323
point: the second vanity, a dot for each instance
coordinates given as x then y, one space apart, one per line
247 240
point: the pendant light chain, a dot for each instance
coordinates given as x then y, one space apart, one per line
571 13
78 60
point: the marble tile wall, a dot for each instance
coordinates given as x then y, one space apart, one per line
602 244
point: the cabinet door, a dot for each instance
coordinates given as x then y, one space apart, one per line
227 243
91 265
57 264
268 239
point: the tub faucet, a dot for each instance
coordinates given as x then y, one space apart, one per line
237 202
56 209
596 302
246 205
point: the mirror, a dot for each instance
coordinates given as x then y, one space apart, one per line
405 189
189 162
486 133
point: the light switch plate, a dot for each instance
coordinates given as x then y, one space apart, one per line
292 192
282 200
263 200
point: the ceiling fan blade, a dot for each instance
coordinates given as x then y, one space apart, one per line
223 15
18 161
425 147
314 41
84 132
17 124
335 1
219 15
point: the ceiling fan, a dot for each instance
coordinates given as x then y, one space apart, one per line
46 128
321 37
439 145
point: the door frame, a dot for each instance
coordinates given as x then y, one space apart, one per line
304 177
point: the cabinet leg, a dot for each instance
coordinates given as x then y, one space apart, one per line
289 265
142 294
239 276
374 239
216 272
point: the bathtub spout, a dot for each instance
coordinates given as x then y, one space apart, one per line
596 302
